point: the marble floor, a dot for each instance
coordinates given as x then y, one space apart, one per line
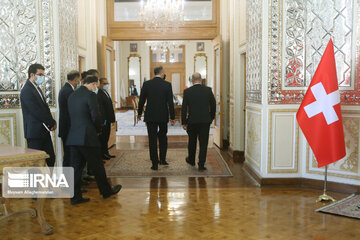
187 208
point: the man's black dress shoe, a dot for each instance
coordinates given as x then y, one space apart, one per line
163 163
109 156
89 178
202 168
191 163
78 201
154 168
84 182
114 191
105 157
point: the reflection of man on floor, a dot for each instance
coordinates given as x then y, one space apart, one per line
158 94
198 111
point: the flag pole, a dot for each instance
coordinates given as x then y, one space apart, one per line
324 197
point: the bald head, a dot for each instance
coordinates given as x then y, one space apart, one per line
196 78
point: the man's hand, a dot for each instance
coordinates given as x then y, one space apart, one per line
139 117
172 122
185 127
53 128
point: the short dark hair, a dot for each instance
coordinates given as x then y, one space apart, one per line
90 79
34 67
92 71
102 79
84 74
158 70
72 75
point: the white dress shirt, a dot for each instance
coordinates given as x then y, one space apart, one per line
36 87
71 85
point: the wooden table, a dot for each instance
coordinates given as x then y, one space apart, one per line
23 157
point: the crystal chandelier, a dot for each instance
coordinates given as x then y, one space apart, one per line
163 46
162 15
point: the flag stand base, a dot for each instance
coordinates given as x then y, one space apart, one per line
325 197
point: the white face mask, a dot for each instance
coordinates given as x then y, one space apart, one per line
96 90
106 87
40 80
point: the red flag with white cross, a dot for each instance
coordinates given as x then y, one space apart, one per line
319 115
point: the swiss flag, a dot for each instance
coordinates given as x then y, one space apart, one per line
319 115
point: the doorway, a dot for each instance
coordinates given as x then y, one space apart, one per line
173 62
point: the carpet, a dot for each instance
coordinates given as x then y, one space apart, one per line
125 126
347 207
136 163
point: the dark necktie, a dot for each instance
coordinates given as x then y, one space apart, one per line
107 94
42 95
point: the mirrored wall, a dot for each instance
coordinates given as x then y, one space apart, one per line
200 66
134 70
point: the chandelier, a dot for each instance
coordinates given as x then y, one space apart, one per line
163 46
162 15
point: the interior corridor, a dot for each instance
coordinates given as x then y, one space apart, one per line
186 208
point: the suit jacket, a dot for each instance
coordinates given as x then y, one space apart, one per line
35 112
64 118
106 106
85 119
158 94
199 105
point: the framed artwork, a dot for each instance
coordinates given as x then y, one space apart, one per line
200 46
133 47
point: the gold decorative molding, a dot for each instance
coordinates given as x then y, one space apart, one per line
253 109
297 139
351 158
206 62
6 130
253 138
134 55
242 44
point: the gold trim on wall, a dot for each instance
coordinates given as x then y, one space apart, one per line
340 175
14 135
134 55
253 108
206 62
297 139
247 156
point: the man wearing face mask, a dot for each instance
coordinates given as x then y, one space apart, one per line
73 83
38 121
108 116
83 139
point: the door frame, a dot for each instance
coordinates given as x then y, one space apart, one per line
218 130
108 45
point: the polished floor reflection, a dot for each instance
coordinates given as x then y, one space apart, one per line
187 208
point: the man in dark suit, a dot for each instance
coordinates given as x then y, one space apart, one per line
93 72
38 121
84 74
158 94
83 139
73 78
198 111
108 116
